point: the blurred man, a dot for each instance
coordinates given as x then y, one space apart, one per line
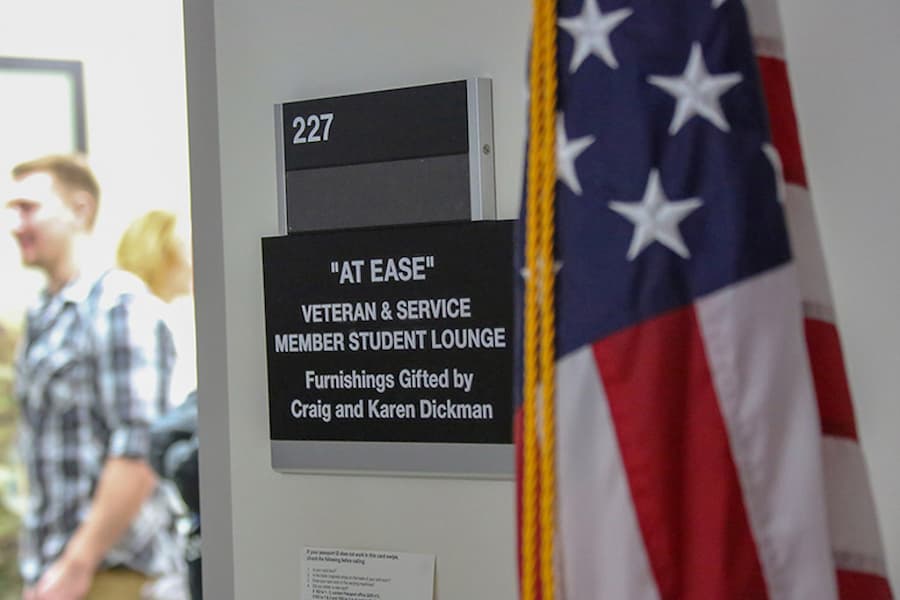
91 376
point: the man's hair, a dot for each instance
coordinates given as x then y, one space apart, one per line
70 172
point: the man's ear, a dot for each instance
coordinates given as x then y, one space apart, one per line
83 207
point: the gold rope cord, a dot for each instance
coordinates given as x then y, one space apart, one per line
539 501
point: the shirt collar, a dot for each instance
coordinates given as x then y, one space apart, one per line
77 290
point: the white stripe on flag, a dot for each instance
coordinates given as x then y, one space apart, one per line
601 545
807 249
856 540
755 347
765 24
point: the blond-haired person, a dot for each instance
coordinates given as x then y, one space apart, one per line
156 247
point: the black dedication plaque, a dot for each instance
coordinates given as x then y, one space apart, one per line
395 334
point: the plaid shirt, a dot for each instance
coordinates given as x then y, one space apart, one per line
92 374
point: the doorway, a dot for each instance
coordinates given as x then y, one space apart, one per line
103 78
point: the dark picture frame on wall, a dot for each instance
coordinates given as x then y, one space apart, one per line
43 110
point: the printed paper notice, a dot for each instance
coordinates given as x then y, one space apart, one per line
341 574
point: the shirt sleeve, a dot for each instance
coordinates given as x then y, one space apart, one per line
134 370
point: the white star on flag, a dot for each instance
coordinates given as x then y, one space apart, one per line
591 30
525 274
697 91
566 152
656 218
772 154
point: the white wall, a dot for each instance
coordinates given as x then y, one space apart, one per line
275 50
281 50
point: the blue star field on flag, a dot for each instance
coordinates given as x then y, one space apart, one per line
667 189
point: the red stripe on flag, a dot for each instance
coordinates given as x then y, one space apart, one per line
782 119
677 458
830 379
853 585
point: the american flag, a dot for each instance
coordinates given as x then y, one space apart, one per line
705 440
